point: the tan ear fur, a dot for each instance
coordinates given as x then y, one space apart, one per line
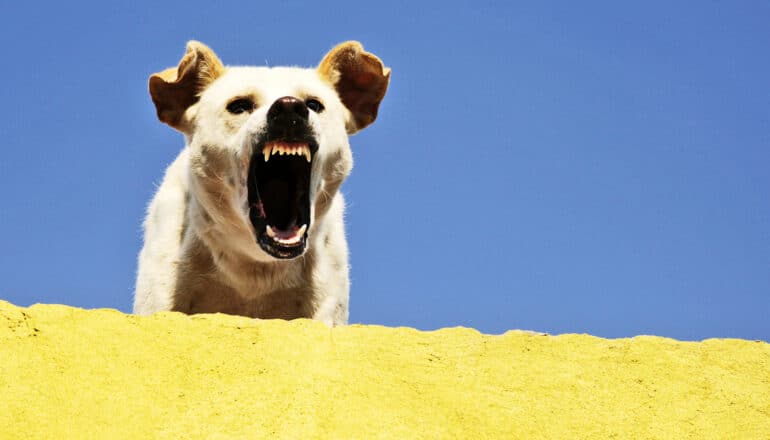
360 79
177 88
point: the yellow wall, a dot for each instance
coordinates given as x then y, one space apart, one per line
70 373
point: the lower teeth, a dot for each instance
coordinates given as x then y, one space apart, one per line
291 240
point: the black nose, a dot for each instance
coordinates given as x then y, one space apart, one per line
288 110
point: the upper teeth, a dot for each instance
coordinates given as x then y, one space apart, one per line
274 148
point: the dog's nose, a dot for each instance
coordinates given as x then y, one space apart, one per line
288 108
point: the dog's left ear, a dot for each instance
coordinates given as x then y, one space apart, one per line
360 79
175 89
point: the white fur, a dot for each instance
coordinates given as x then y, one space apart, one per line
200 254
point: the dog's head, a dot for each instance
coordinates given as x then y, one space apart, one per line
268 146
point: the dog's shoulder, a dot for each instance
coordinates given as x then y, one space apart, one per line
163 229
167 208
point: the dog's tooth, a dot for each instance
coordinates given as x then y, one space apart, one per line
270 232
302 230
305 151
266 151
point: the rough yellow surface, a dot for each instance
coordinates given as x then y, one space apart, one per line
72 373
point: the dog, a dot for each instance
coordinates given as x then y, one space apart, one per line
249 218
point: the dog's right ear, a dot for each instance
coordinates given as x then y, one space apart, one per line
175 89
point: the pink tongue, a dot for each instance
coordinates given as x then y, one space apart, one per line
285 234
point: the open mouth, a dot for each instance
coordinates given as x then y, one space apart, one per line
279 196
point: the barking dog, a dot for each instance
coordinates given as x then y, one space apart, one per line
248 220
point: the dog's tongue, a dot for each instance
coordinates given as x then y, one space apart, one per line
290 233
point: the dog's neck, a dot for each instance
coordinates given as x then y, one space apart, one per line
212 280
248 277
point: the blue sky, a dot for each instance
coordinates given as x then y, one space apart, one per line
570 167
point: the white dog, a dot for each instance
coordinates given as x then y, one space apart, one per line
248 220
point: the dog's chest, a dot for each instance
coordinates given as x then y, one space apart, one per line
283 304
241 288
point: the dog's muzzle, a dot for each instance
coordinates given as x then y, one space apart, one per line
279 179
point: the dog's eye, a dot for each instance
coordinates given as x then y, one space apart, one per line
315 105
240 105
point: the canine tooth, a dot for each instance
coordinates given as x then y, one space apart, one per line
302 230
266 151
303 150
270 232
